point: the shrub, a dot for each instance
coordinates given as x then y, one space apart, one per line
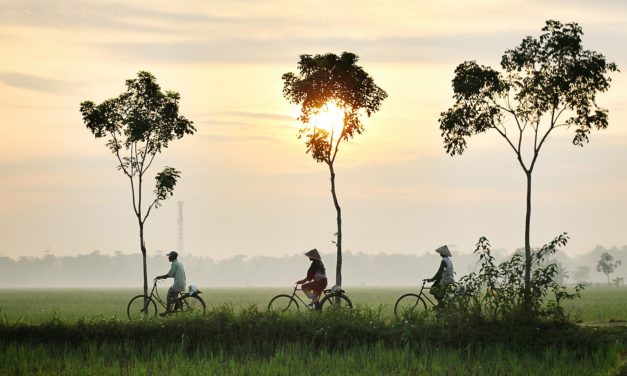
496 291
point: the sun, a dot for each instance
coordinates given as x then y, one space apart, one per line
330 118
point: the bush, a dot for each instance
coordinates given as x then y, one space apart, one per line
262 332
497 292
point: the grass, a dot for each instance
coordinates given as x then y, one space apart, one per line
598 304
98 359
359 341
79 331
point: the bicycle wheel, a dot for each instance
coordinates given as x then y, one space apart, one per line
190 306
283 303
141 307
335 301
408 305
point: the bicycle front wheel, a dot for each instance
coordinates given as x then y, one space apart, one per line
409 305
335 301
190 306
283 303
141 307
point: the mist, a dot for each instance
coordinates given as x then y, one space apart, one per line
99 270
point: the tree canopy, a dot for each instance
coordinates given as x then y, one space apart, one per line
550 76
329 78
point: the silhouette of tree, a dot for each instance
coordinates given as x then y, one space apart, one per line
138 124
331 79
547 83
607 264
582 274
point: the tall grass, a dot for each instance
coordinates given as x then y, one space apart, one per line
258 342
224 328
107 359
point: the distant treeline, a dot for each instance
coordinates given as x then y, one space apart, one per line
125 270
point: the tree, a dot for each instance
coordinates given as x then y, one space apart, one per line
138 124
582 274
331 80
561 273
607 264
618 281
546 83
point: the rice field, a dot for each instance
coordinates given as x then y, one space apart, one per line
597 304
221 351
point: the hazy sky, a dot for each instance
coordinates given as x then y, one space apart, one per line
247 185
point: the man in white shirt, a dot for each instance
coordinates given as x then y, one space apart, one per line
178 273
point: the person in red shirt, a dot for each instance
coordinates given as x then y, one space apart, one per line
316 279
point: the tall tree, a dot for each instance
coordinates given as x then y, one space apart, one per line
138 124
546 83
331 80
607 264
582 274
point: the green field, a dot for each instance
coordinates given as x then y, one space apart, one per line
302 360
597 304
81 331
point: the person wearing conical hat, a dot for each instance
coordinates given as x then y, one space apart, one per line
316 280
443 277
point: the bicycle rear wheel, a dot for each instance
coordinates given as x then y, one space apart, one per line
141 307
335 301
409 305
283 303
190 306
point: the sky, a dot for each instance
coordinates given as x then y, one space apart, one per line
247 185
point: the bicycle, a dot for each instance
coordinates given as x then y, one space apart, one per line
334 298
413 303
188 304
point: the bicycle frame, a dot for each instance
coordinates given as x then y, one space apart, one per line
324 294
424 295
154 294
294 295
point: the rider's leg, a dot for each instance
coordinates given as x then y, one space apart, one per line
438 293
315 296
172 296
310 292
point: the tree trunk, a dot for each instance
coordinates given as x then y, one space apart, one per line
338 267
143 249
527 292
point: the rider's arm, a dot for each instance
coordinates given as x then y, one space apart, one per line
169 274
309 277
438 274
303 280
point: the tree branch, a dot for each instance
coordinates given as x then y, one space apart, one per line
150 162
148 211
537 150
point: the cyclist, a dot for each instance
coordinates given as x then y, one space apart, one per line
443 277
178 273
316 278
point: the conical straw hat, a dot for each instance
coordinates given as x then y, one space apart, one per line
313 254
444 251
